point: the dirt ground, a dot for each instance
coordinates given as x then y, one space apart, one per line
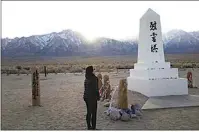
64 109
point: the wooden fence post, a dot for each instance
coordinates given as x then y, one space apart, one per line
35 87
45 71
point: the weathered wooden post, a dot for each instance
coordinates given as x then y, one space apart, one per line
8 72
35 87
122 95
190 80
45 71
55 70
99 76
18 70
106 89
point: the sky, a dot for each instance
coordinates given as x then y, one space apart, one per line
113 19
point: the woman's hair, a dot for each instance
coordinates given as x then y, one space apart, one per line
89 72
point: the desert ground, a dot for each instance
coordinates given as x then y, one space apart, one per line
63 108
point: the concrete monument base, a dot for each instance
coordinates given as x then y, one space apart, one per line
158 87
175 101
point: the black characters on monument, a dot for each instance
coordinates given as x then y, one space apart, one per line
153 36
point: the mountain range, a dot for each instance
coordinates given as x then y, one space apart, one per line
71 43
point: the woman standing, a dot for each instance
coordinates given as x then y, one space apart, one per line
91 96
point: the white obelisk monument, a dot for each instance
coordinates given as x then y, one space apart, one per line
152 76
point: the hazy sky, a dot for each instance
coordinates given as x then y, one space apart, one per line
114 19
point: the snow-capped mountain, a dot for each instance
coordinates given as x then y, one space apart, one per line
66 41
69 43
179 41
